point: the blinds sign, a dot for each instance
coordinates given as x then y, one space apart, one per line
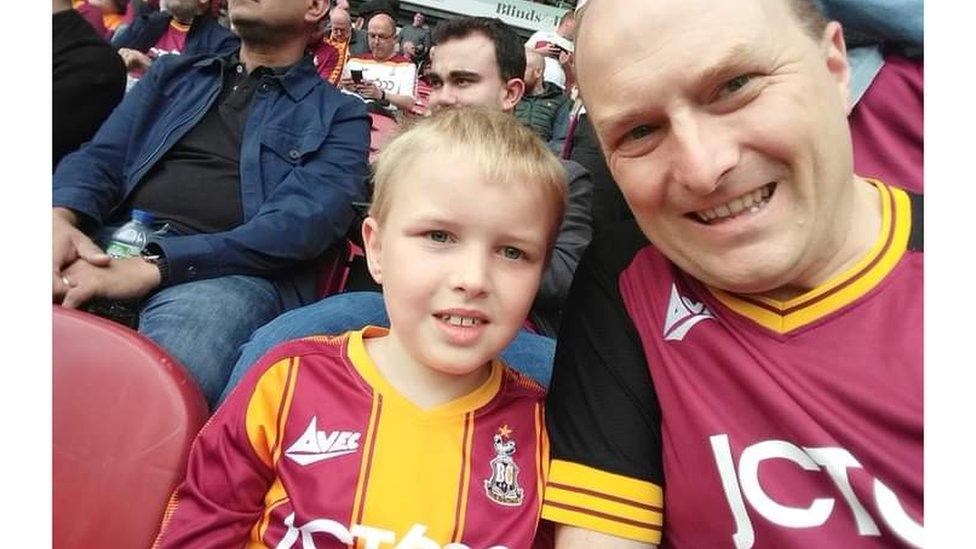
518 13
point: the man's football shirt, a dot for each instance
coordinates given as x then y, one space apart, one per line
316 449
172 42
683 415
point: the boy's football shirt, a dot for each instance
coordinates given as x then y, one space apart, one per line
316 449
687 416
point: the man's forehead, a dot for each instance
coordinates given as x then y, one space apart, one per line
682 36
627 66
472 54
380 21
638 23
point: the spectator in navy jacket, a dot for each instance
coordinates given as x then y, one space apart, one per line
250 159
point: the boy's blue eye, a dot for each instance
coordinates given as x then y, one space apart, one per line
438 236
512 253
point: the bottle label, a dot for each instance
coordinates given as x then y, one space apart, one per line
121 250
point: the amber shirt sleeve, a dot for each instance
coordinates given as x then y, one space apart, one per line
602 413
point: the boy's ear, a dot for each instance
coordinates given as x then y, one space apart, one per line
372 247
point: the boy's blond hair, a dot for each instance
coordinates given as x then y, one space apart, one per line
505 150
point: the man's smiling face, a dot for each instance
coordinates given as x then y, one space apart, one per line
726 132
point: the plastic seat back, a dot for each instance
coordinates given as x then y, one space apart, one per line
125 414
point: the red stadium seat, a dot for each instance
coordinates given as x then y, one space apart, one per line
125 414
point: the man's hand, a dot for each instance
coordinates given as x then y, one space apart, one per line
135 59
70 246
347 84
369 90
565 59
549 50
128 278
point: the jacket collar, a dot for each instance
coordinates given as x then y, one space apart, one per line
297 80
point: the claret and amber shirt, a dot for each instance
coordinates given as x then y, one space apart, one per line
686 416
316 449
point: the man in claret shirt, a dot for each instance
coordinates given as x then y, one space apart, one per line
330 53
741 365
181 27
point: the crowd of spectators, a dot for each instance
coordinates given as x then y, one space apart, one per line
251 167
227 128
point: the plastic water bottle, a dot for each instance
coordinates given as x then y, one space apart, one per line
127 241
130 239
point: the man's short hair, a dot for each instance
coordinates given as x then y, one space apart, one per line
534 59
810 16
509 53
506 151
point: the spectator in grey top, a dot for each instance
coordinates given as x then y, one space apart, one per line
417 34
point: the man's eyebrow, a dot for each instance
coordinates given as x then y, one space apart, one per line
455 74
737 58
610 119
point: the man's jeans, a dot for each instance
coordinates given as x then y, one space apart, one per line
203 323
529 353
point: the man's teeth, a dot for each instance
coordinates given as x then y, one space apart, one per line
753 201
455 320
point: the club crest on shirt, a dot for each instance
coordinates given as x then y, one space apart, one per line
502 485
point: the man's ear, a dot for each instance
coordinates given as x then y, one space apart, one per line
317 9
373 247
514 89
835 49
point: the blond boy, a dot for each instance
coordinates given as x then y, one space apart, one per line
416 435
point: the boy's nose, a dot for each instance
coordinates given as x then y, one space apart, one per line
470 275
